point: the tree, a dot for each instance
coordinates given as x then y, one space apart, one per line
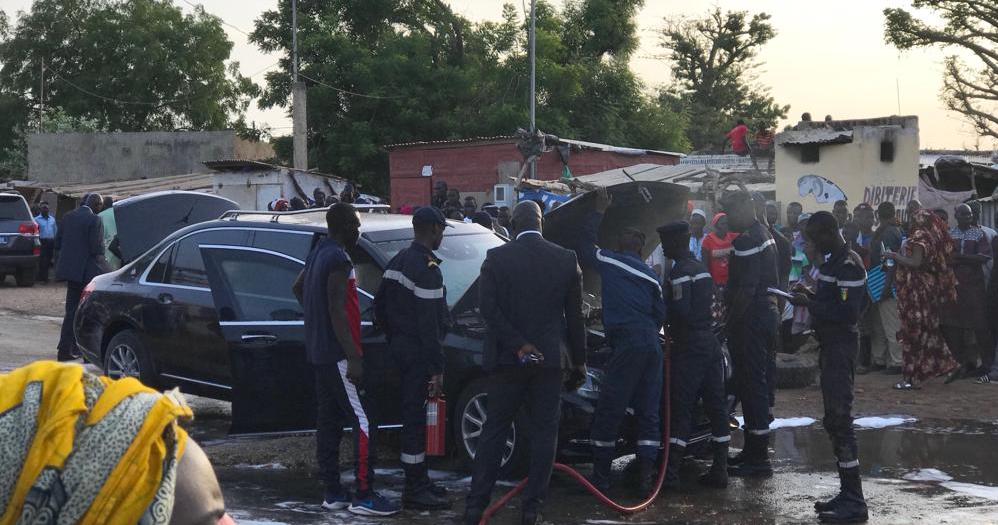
713 61
381 72
972 27
131 65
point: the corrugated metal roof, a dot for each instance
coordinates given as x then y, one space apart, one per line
814 136
238 165
129 188
581 144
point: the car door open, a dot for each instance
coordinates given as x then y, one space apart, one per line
263 325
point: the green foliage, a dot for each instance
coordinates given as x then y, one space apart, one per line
713 59
131 65
381 72
970 26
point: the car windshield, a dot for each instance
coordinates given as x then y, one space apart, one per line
462 257
12 207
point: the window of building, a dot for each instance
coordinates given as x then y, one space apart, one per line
809 154
887 151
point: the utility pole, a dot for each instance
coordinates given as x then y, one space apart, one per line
298 101
533 79
41 100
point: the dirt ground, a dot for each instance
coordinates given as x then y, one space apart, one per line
962 400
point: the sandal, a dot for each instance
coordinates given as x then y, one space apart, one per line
953 376
904 384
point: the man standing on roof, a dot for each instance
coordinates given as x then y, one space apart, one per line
737 138
752 318
633 313
411 308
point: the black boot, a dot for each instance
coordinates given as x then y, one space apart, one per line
756 458
647 476
602 470
850 505
419 491
676 454
823 506
717 476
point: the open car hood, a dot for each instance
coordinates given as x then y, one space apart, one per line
145 220
641 205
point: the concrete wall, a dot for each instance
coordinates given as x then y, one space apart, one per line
255 189
854 168
102 157
476 168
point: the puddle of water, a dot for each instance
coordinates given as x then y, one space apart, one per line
929 472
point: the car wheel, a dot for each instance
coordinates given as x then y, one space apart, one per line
126 356
468 423
3 277
795 371
25 277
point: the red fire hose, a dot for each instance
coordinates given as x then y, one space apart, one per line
574 474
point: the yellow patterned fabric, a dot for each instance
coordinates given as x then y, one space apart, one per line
78 448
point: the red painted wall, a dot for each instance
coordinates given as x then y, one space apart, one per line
474 167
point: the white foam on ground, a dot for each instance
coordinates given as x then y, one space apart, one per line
972 489
784 422
264 466
882 421
927 474
946 481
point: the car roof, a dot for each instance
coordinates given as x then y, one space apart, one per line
315 220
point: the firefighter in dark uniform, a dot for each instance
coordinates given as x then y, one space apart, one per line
697 362
633 313
752 326
835 311
411 307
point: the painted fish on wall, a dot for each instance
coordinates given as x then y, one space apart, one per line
824 190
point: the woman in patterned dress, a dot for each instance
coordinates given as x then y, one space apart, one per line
925 286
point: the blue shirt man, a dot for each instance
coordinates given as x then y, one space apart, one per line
633 313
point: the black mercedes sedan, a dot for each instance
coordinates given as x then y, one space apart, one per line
210 309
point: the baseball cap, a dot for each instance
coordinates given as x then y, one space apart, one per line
429 215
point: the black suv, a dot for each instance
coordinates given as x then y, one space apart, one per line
19 244
210 309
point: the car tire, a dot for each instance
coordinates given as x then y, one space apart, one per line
25 277
126 356
795 371
469 419
3 277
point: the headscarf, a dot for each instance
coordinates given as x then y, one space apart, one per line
699 212
77 448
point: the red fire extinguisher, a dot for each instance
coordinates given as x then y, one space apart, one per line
436 426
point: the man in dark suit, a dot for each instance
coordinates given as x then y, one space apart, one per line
530 292
80 242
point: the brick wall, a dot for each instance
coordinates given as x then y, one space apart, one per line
477 167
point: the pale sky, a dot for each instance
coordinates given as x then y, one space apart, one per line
827 58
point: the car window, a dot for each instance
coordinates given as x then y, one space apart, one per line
296 245
462 257
187 268
157 274
257 299
13 208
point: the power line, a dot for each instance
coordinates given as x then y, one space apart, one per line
199 6
347 92
118 100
